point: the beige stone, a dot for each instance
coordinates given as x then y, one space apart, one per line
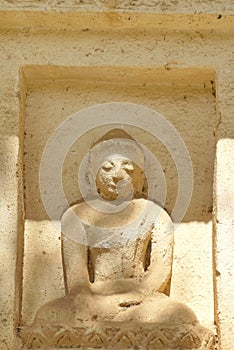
56 102
68 55
43 276
117 266
224 225
192 262
9 148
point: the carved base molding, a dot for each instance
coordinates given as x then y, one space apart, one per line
116 335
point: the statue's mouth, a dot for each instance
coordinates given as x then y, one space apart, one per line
112 188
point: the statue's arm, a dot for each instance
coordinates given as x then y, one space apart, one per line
74 256
158 274
74 253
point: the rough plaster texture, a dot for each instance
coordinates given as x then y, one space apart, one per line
225 239
193 246
171 6
41 267
36 36
8 238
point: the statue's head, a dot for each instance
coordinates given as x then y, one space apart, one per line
115 175
121 172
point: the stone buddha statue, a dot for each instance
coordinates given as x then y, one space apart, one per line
117 270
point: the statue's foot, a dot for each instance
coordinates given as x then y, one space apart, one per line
74 309
158 309
156 322
68 310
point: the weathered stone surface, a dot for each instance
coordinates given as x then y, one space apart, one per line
54 45
43 276
159 6
193 252
9 148
224 254
127 335
117 265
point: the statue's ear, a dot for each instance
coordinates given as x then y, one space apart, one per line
141 186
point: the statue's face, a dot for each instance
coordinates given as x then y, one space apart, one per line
114 177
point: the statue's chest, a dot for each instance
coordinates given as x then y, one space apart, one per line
123 262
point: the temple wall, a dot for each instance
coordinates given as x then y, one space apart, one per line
58 57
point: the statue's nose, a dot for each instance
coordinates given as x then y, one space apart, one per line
117 179
120 175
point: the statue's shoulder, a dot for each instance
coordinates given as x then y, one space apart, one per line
74 209
152 208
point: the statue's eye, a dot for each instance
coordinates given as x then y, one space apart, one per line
107 166
128 167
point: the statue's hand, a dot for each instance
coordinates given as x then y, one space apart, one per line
129 299
117 287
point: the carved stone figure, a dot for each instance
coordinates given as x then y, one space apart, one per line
117 273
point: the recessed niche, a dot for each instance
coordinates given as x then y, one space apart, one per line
183 96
